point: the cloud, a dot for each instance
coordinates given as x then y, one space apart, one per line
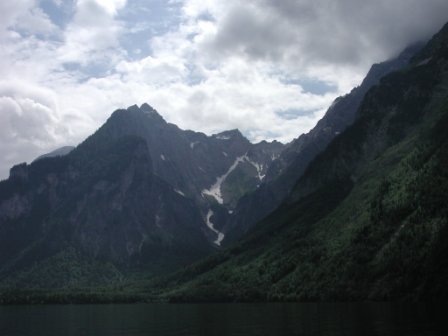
111 6
314 32
40 99
93 34
25 16
269 68
30 123
35 21
150 70
10 10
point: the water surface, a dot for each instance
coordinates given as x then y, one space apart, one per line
225 319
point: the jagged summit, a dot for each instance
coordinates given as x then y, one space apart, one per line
229 134
267 143
148 111
145 109
132 194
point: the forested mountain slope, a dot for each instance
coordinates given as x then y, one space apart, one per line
367 220
295 158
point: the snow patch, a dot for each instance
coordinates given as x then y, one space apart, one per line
162 157
192 144
225 154
215 189
158 221
223 137
211 226
258 167
179 192
424 62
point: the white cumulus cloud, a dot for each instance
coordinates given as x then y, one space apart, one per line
267 67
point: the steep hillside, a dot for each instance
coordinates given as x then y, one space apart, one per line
292 162
111 209
189 161
214 171
369 217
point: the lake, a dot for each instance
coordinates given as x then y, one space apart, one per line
225 319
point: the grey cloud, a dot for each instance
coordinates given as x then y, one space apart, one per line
36 21
92 36
292 114
29 125
25 16
91 14
10 10
327 31
245 30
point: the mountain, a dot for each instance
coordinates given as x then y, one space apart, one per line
57 152
364 215
138 196
368 219
214 171
294 159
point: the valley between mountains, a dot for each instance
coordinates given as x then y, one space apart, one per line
142 210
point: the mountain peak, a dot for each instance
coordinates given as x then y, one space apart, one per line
145 107
19 172
230 134
147 110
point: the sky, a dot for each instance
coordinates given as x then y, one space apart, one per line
270 68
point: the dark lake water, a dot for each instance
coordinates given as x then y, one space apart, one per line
225 319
